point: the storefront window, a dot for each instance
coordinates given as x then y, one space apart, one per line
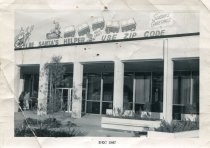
157 92
31 84
181 89
185 92
142 93
108 87
147 88
195 78
142 89
128 91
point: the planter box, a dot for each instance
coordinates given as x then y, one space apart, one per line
129 124
153 115
184 134
191 117
126 112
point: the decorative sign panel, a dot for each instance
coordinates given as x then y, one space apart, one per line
102 29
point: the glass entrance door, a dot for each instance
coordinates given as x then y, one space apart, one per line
93 94
99 90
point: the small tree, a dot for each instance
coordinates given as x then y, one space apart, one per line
54 71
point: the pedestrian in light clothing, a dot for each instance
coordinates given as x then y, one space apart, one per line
26 101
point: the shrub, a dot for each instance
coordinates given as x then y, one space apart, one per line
52 122
178 126
49 122
31 122
191 109
44 132
42 128
70 124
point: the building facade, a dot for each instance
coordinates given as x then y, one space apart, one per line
132 61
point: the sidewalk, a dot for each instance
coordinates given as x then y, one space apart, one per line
92 124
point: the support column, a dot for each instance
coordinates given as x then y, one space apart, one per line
19 84
43 91
20 89
168 84
77 90
118 85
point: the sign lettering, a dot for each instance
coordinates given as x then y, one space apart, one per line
154 33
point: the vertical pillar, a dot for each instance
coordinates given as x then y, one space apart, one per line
21 86
77 90
43 91
168 84
18 88
118 85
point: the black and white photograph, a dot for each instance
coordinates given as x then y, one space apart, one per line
103 74
123 73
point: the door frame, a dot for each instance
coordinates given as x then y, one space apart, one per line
101 94
69 98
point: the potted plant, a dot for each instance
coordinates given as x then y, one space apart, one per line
191 112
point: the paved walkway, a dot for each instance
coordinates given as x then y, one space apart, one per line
89 123
92 124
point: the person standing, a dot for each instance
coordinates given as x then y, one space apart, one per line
26 101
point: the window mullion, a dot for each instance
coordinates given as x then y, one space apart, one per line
151 88
191 89
134 92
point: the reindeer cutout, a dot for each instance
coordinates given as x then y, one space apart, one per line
23 36
55 32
